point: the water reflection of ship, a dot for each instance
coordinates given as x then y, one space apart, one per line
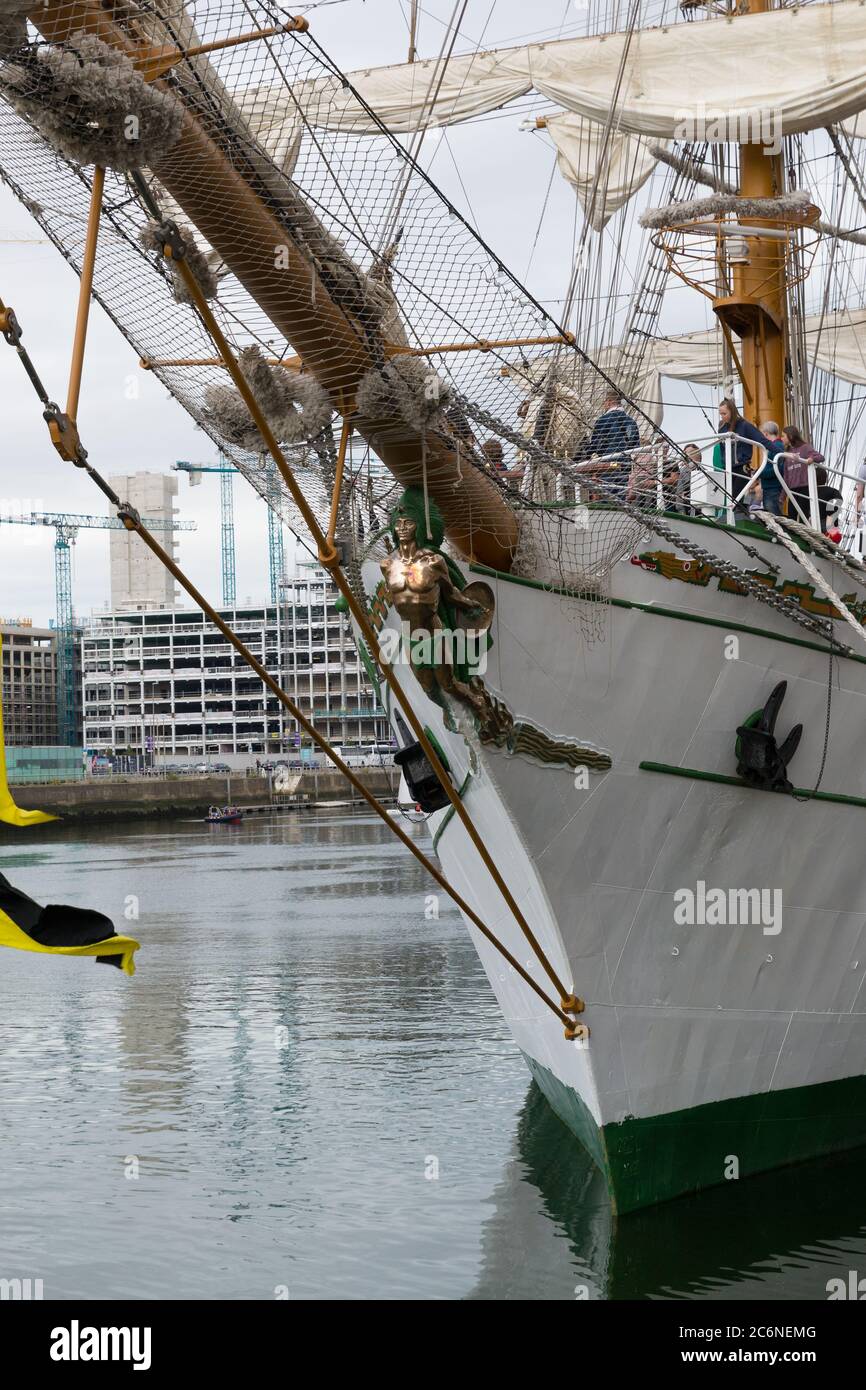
779 1236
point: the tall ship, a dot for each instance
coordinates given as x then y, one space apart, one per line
623 663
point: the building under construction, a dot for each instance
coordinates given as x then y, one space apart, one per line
30 685
138 580
167 684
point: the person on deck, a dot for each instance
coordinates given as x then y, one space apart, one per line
649 469
687 465
493 458
606 452
765 477
614 430
731 421
829 499
797 469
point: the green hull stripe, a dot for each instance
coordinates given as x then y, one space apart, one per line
660 612
450 812
697 775
655 1159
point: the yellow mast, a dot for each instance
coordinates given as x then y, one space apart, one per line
757 310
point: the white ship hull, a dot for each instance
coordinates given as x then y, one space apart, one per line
714 1050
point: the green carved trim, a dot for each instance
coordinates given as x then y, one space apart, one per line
529 741
696 775
670 566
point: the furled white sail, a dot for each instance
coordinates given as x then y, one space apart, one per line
836 342
803 68
794 69
604 172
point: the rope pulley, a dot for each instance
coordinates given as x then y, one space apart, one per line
64 435
9 325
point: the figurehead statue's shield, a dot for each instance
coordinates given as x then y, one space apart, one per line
482 596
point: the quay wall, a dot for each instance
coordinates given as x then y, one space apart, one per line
133 798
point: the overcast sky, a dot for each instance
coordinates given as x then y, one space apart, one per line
128 421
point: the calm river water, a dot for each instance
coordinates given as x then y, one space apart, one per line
307 1091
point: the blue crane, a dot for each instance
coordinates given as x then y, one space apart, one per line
276 557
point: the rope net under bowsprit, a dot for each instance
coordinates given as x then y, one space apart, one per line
337 271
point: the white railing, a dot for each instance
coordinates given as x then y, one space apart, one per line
720 481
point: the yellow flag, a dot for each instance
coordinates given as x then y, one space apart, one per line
61 931
9 812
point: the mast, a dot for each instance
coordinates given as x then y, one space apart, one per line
757 310
413 32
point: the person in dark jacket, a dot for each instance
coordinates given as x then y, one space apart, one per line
614 430
829 500
614 434
731 421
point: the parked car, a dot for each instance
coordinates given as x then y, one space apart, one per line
221 767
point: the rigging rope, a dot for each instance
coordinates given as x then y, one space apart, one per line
570 1004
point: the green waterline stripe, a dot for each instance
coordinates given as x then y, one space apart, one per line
696 775
450 812
563 590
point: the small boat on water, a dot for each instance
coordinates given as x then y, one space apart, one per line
226 815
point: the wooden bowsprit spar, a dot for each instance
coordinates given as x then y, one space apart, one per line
233 209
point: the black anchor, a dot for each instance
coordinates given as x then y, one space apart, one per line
761 761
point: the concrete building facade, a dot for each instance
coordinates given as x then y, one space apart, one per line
29 674
169 683
139 583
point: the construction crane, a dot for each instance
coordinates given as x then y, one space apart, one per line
276 559
227 472
66 527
